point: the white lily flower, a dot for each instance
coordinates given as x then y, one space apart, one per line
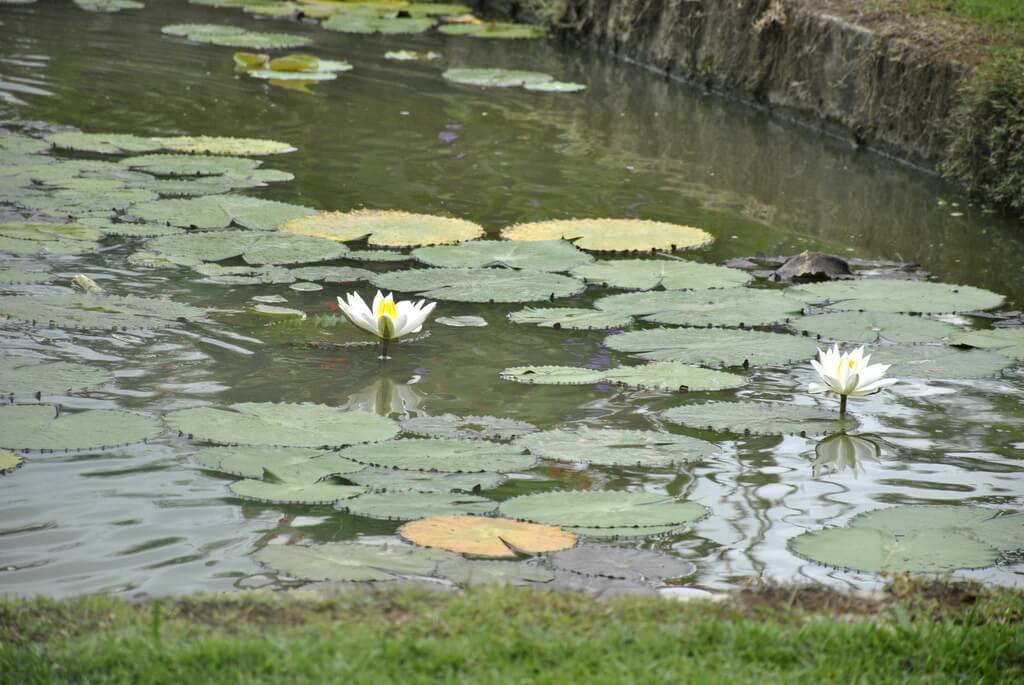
848 374
386 318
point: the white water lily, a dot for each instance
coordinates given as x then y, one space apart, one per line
386 318
848 374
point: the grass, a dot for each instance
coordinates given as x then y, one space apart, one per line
912 634
1000 12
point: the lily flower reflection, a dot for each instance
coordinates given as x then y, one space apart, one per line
840 452
386 319
848 374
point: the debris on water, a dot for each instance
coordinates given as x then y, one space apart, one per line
86 284
810 267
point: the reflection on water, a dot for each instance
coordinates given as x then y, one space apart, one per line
395 135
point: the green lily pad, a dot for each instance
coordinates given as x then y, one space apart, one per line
288 425
23 276
253 246
758 418
271 75
108 5
496 78
288 492
713 347
542 255
23 376
27 230
363 22
940 362
225 145
190 165
397 480
11 145
555 87
442 454
468 572
9 461
480 285
1008 341
496 30
83 203
183 30
406 506
574 318
276 312
99 312
615 447
306 287
251 461
623 532
254 40
645 274
602 509
332 274
552 375
258 214
613 235
869 327
218 211
351 561
886 295
384 228
411 55
104 143
625 563
658 375
467 427
378 256
722 307
43 427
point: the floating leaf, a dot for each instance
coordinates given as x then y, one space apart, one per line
45 247
191 165
199 29
411 55
602 509
571 318
869 327
101 312
542 255
721 347
620 533
250 60
721 307
758 418
397 480
639 565
496 29
332 274
485 536
886 295
251 461
613 235
292 425
104 143
645 274
21 276
415 505
258 214
555 87
288 492
480 285
350 561
940 362
223 145
279 312
43 427
462 321
616 447
385 228
255 40
378 256
9 461
27 230
476 572
552 375
496 78
363 22
108 5
295 62
467 427
253 246
658 375
22 376
271 75
139 230
1007 341
442 454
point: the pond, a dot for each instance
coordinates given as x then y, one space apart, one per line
162 513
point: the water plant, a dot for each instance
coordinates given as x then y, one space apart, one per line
848 374
385 318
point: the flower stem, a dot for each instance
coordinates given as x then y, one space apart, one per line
842 406
384 348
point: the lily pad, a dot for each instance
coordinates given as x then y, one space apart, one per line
251 461
713 347
23 276
485 536
9 461
350 561
602 509
496 78
415 505
574 318
224 145
363 22
43 427
271 75
869 327
616 447
623 533
555 87
385 228
468 321
657 375
645 274
254 247
378 256
625 563
99 312
258 214
442 454
552 375
479 572
411 55
332 274
885 295
480 285
496 30
140 230
467 427
108 5
199 29
1007 341
27 230
291 425
295 492
613 235
190 165
542 255
758 418
721 307
104 143
397 480
255 40
22 376
940 362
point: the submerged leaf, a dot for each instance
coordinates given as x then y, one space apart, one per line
485 536
100 312
468 573
291 492
940 362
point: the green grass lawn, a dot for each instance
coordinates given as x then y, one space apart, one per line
919 634
1003 12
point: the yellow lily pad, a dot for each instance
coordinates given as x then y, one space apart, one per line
385 228
613 235
486 536
9 461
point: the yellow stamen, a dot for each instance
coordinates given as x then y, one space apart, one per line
386 307
851 363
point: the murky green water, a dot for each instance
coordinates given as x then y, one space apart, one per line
395 135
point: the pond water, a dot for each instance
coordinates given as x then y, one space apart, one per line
147 518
